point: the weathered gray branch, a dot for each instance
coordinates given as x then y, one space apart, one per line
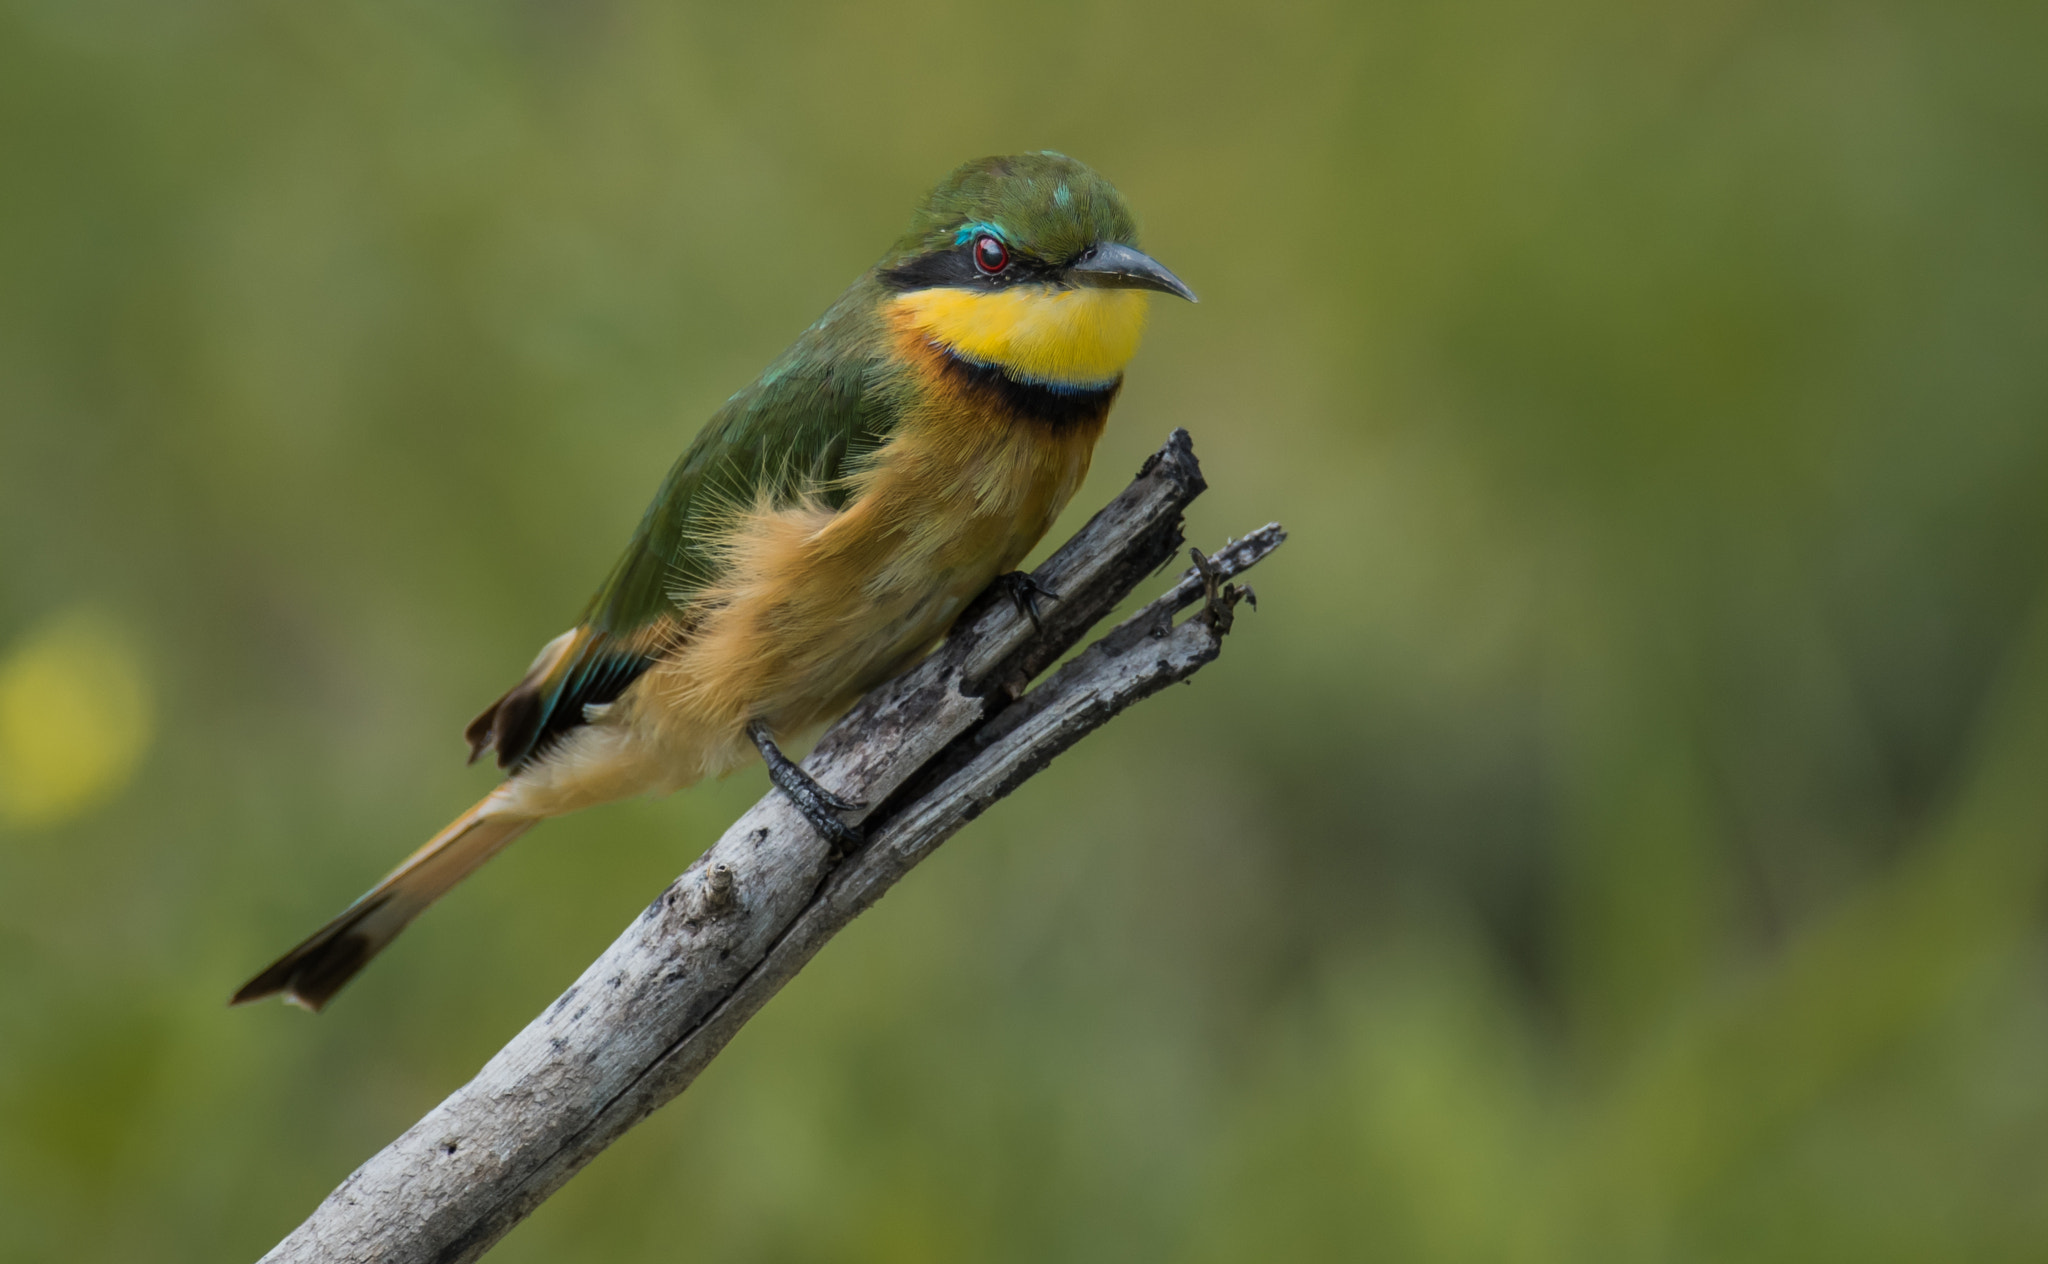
932 749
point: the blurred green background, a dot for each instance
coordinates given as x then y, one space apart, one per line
1621 834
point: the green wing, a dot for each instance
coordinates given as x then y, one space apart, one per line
797 430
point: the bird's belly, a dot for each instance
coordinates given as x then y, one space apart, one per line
815 607
862 641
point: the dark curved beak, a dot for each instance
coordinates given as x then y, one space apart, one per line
1117 267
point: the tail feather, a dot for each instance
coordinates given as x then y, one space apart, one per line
310 974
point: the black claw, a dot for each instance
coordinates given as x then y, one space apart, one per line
835 802
813 800
843 837
1024 593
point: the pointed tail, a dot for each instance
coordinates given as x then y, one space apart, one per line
310 974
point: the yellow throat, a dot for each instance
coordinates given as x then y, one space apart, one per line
1068 337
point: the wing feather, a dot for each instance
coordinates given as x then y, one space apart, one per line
804 425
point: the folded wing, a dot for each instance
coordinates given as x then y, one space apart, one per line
797 432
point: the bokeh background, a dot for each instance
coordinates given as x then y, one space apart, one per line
1621 833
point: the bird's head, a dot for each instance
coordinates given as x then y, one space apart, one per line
1028 263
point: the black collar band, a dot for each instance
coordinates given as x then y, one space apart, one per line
1041 402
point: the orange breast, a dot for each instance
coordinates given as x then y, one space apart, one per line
815 606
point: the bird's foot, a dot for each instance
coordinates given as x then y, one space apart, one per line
1024 594
1219 599
817 804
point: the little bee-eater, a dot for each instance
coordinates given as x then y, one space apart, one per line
822 531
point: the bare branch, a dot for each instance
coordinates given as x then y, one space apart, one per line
933 749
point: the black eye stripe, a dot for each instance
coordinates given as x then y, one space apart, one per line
955 266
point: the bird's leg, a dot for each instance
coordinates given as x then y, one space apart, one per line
813 800
1024 594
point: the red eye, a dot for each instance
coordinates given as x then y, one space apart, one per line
989 255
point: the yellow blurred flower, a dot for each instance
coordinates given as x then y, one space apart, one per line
74 718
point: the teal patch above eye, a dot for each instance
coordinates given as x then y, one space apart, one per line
968 232
1062 196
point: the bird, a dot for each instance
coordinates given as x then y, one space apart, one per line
820 534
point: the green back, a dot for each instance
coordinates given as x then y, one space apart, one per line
797 429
